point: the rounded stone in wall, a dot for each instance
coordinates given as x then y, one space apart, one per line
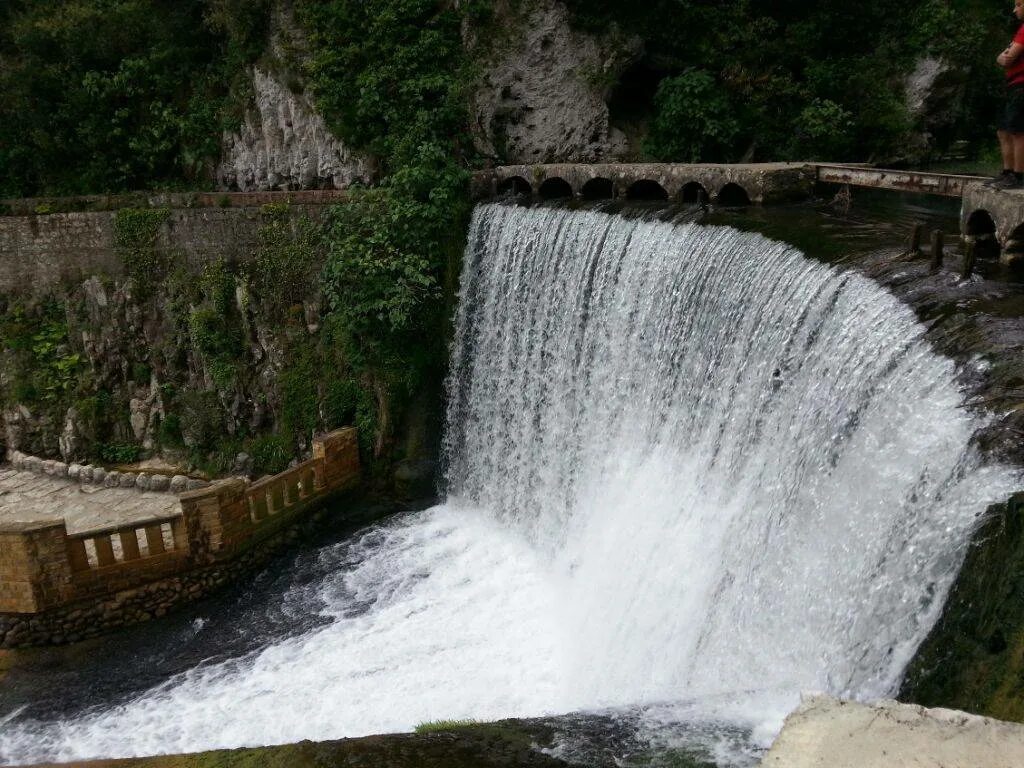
193 485
74 471
112 480
142 481
85 473
179 483
99 476
127 480
159 483
33 464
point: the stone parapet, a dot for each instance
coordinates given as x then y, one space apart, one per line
45 572
38 253
87 474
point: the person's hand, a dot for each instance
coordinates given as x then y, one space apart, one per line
1001 59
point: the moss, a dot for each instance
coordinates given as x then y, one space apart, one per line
974 657
284 269
136 231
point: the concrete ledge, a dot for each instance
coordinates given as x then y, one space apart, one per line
826 733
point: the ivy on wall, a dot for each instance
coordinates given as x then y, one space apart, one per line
136 231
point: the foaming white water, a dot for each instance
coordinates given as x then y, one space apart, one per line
689 469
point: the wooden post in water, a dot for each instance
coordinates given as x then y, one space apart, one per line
936 249
915 240
968 259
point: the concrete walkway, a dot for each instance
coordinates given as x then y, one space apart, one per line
30 497
826 733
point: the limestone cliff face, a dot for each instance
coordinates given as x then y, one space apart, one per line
284 144
541 95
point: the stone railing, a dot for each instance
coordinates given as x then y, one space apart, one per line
57 587
87 474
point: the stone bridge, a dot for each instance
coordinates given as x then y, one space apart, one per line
738 184
986 213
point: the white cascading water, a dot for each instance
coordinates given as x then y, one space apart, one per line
690 472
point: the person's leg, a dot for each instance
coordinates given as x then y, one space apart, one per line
1018 154
1008 149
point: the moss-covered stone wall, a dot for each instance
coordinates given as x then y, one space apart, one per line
974 657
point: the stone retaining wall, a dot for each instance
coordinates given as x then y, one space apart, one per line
40 252
56 587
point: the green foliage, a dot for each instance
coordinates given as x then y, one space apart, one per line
135 240
823 129
693 119
285 267
201 419
270 454
113 95
390 77
387 73
299 393
435 726
798 75
42 368
215 328
118 453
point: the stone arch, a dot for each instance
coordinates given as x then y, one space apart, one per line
980 223
515 185
598 188
646 189
554 188
732 195
693 192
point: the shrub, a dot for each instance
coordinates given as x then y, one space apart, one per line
693 119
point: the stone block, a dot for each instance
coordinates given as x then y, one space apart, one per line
99 476
126 480
142 481
85 473
179 484
159 483
112 480
74 472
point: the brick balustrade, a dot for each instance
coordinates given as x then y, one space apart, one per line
43 568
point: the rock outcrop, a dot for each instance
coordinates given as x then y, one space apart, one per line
284 144
542 97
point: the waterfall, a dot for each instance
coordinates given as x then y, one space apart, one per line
690 473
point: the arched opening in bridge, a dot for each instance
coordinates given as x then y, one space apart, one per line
1013 248
732 196
516 186
981 227
980 223
598 189
693 192
645 189
555 188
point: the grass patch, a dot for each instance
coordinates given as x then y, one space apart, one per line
434 726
